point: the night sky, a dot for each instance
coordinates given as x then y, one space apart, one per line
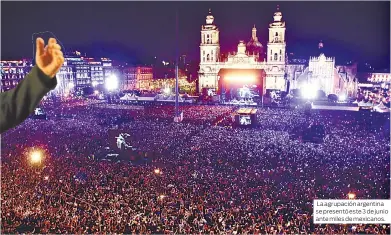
147 29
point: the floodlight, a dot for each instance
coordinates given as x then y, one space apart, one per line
112 83
309 91
342 97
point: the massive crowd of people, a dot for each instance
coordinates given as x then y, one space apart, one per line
205 176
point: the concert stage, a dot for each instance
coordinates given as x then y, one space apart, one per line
241 84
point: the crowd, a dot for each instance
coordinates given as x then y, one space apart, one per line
203 178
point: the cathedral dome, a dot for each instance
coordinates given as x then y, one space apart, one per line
254 46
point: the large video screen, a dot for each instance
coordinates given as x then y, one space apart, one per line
241 83
244 120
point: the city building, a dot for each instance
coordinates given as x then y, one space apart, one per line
12 72
375 81
374 87
271 64
137 77
248 56
83 72
80 72
97 72
111 70
66 78
347 82
156 79
322 73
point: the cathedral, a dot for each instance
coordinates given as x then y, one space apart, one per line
268 65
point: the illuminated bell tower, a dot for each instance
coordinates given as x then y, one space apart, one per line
209 53
276 53
276 44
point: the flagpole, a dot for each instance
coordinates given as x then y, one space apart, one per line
176 66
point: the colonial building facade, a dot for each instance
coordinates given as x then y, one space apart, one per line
246 57
321 71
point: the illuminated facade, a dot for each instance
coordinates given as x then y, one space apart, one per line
157 78
376 81
137 77
347 81
79 72
110 70
321 72
248 56
12 72
66 78
379 78
97 72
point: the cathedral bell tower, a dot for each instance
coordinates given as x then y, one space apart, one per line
209 53
276 44
276 54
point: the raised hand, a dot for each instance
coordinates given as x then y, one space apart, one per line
50 58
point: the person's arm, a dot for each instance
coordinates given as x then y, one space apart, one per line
17 104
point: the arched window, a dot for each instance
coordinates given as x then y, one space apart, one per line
280 52
280 58
207 57
276 34
275 56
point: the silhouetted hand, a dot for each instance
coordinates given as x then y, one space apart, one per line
50 58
